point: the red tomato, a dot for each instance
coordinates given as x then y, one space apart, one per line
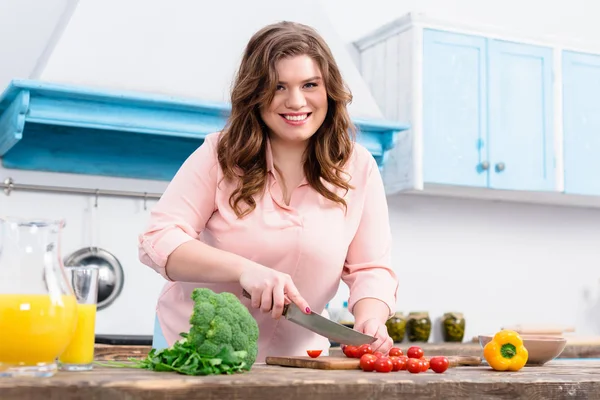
424 365
414 365
367 362
403 360
398 364
364 349
415 352
395 352
314 353
439 364
384 364
378 354
350 351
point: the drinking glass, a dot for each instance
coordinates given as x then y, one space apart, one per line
79 354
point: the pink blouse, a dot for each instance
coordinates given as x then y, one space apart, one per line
312 240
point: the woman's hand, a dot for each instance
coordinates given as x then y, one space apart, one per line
375 328
271 290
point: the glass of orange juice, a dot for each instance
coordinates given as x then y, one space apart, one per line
79 354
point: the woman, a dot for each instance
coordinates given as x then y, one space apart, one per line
281 203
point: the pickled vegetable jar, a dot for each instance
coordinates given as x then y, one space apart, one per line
453 326
396 327
418 327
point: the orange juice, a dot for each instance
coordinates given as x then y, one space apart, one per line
81 348
35 328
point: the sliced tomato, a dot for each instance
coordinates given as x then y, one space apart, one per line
314 353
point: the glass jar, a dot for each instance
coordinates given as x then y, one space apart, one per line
396 327
453 325
418 327
38 309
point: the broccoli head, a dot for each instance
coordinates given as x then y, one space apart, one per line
219 322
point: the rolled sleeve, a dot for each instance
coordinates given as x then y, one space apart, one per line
367 270
183 210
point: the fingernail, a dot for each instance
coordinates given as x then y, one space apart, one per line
308 310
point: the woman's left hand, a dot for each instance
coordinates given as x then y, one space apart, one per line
377 329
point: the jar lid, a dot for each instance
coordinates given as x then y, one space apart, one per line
418 314
453 314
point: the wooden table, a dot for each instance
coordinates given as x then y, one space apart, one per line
556 380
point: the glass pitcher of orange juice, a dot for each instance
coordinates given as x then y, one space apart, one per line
38 309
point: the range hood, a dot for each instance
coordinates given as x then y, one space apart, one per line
130 89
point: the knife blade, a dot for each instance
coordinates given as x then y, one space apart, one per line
323 326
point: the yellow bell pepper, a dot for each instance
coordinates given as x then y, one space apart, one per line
506 352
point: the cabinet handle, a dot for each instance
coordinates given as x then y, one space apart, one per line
500 167
484 165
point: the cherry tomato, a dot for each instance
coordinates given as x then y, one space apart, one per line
364 349
384 364
314 353
424 365
415 352
395 352
414 365
350 351
378 354
367 362
403 360
439 364
398 364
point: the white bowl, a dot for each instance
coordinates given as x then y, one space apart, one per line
541 348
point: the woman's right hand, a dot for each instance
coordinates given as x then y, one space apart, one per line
271 290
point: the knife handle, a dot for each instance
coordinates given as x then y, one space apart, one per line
248 296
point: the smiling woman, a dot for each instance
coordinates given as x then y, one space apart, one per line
282 203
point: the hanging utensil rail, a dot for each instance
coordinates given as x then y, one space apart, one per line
9 185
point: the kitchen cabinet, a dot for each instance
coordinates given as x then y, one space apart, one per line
581 126
480 108
520 145
64 128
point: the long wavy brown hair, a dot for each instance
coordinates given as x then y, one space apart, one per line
243 143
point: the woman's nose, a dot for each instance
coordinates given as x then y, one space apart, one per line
295 100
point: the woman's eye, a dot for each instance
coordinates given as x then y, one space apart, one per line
279 87
311 85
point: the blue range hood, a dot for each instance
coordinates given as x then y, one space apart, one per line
82 130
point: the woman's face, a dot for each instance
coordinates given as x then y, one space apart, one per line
299 106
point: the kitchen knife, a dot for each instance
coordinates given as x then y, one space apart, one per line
323 326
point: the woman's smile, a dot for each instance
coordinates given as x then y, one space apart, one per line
296 119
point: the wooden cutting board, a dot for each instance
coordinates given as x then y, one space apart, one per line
341 363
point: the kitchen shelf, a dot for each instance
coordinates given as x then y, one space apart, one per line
82 130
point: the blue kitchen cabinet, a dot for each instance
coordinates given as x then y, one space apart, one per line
581 123
520 103
454 108
487 113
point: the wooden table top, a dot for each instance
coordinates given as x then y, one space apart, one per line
556 380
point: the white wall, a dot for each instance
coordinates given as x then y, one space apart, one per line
576 19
